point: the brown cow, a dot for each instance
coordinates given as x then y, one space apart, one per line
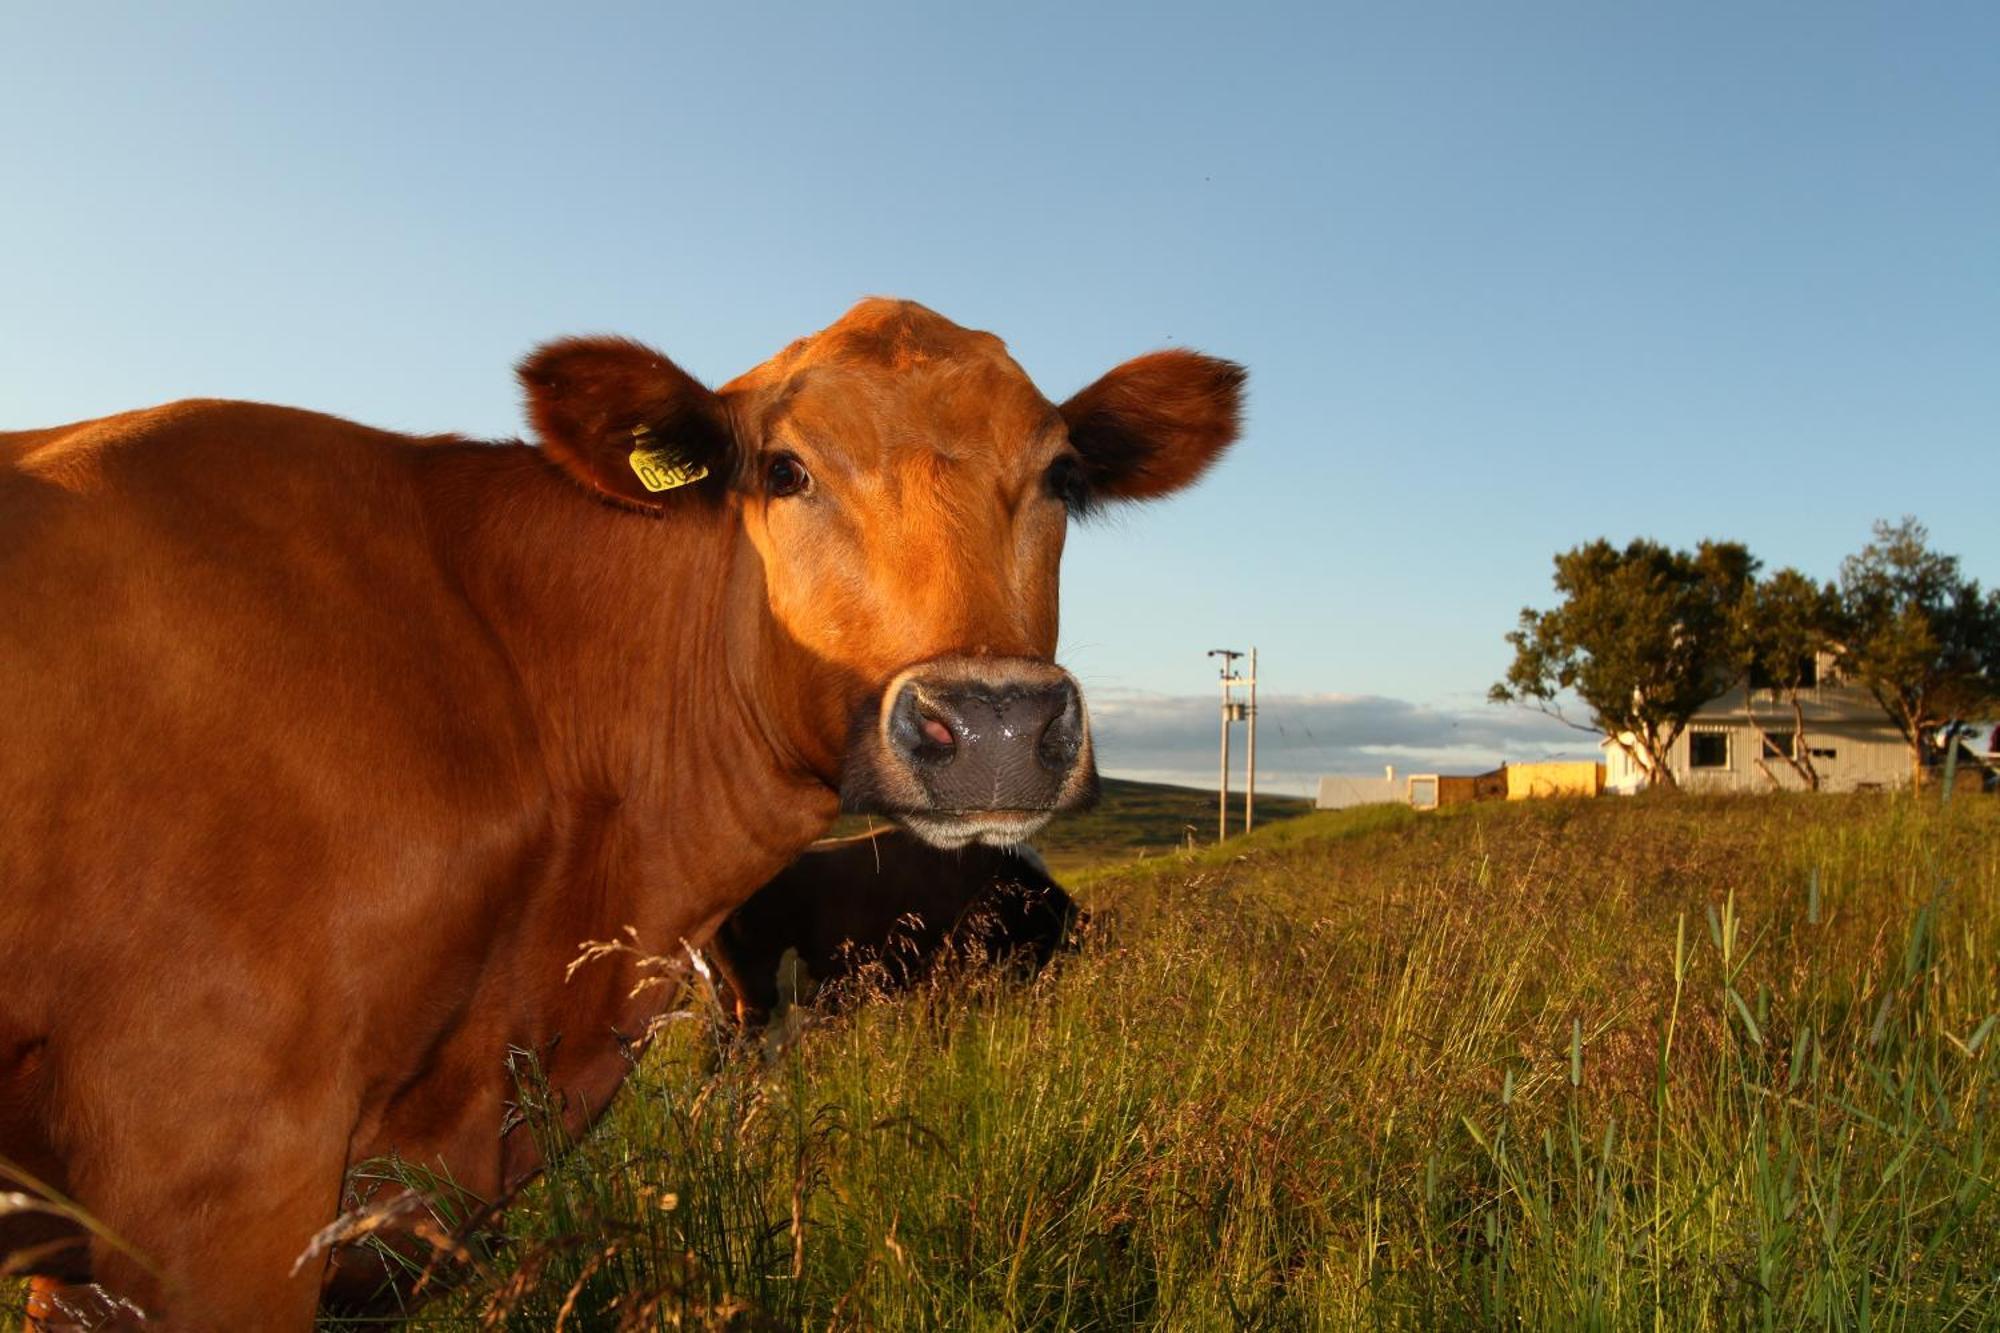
322 749
891 901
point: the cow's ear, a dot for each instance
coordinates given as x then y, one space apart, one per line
1155 423
623 420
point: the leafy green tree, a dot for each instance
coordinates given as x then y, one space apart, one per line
1643 636
1786 622
1918 635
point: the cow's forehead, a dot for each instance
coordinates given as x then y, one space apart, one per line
896 372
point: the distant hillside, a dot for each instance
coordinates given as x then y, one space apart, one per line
1137 819
1133 819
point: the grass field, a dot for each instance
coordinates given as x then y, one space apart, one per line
1614 1064
1675 1063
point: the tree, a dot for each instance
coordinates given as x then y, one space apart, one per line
1918 635
1786 622
1643 636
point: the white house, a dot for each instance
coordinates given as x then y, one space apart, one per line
1343 791
1739 742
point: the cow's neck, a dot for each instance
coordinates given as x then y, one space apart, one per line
672 799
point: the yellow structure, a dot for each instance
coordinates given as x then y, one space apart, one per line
1579 778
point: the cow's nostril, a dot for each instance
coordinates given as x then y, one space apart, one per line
1062 738
923 730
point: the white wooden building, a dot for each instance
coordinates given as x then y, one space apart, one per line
1853 744
1342 791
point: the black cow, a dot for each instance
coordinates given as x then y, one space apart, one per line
886 901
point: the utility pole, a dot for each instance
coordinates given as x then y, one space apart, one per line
1250 759
1235 711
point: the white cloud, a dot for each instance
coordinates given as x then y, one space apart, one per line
1302 737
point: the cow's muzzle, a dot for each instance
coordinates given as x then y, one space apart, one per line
974 749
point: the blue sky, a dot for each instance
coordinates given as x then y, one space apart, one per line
1507 277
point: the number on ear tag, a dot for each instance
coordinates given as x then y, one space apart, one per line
661 469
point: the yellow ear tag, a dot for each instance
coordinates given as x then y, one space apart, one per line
661 469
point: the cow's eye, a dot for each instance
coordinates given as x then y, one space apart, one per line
1066 482
785 475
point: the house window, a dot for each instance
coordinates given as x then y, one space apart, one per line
1777 745
1708 749
1828 753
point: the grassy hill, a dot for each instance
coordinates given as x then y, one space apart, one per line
1618 1064
1133 820
1141 819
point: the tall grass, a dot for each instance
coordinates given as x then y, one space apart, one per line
1622 1064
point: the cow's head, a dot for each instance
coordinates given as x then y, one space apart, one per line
901 491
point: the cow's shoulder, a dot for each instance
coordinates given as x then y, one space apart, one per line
213 568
